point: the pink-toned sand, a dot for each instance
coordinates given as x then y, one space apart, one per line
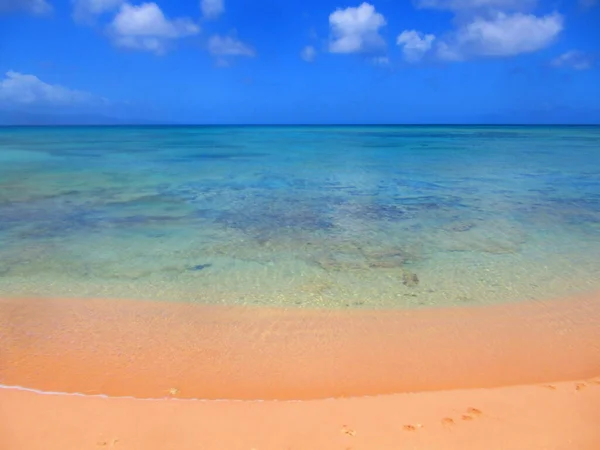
513 376
513 418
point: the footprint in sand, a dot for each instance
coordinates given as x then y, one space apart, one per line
412 427
470 414
549 386
474 412
580 386
348 431
105 443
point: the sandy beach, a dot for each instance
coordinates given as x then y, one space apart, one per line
518 376
554 416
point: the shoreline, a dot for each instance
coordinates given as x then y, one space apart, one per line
534 417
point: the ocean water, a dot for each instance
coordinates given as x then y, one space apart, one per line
334 217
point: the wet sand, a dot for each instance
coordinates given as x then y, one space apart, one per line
518 376
151 349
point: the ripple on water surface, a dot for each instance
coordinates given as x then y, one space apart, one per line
310 217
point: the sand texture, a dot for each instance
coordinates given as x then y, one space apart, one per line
511 376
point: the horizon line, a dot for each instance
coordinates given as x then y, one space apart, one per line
158 124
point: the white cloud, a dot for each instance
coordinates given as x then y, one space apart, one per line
21 89
145 27
465 5
211 9
37 7
487 28
356 30
228 46
308 53
576 59
415 44
85 10
502 35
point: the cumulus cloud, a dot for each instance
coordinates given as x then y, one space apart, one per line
228 46
575 59
37 7
211 9
145 27
308 53
502 35
21 89
356 30
487 28
466 5
85 10
415 44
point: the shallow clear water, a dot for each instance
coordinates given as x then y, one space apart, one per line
301 216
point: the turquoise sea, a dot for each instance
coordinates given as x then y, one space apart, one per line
342 217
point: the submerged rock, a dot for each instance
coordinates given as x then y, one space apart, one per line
390 261
358 257
387 258
410 279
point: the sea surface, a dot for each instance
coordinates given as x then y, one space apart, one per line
326 217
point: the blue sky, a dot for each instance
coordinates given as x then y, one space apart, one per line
310 61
